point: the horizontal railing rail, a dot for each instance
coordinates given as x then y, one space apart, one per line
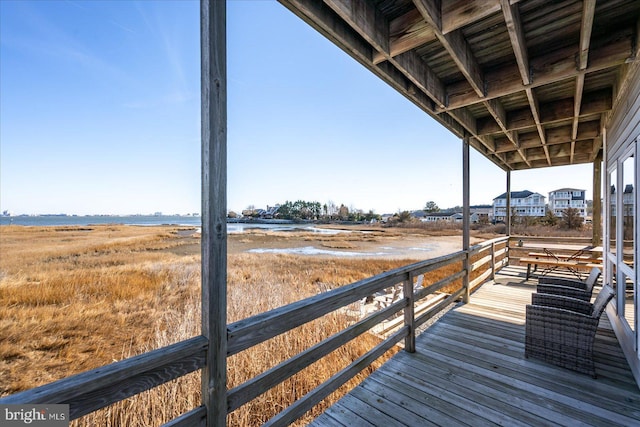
98 388
92 390
257 329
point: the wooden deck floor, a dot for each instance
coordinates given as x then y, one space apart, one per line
469 369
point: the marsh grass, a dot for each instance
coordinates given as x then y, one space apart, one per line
76 298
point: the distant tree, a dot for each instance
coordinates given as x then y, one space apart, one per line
343 213
514 216
369 216
356 215
431 207
332 209
571 219
550 218
404 216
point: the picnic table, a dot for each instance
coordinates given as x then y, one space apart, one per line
574 258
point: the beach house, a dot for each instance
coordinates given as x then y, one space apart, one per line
522 204
561 199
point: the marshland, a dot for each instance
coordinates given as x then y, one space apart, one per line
75 298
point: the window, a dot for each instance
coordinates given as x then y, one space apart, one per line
628 211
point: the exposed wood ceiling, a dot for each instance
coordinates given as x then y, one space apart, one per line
530 82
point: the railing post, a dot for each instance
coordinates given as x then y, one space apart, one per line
493 260
409 315
214 206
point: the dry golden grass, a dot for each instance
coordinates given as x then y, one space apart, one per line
72 299
75 298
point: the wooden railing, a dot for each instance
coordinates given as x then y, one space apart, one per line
92 390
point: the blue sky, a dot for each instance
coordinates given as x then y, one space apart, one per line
100 112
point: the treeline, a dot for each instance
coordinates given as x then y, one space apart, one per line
305 210
301 209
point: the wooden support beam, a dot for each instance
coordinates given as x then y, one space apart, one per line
588 11
508 207
535 111
456 45
596 233
324 20
516 34
366 19
406 32
496 109
414 68
458 13
548 68
595 102
214 207
577 103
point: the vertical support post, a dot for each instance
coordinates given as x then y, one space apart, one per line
596 218
493 260
507 219
214 205
466 215
409 315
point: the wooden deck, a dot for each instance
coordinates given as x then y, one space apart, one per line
469 369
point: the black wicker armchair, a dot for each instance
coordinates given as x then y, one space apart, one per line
561 330
569 287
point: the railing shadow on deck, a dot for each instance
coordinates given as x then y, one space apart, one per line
98 388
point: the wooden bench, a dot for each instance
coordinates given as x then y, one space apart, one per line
552 264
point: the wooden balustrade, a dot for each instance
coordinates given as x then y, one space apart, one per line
98 388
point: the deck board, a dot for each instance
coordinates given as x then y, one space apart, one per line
469 369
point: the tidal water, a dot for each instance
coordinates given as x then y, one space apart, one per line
181 220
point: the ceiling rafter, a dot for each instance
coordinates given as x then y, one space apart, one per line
462 54
560 110
456 14
455 44
548 68
588 12
408 64
322 18
367 20
406 32
535 111
516 35
452 58
499 114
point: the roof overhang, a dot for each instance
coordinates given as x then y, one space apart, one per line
531 83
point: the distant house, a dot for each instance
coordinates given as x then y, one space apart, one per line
484 213
564 198
448 216
523 203
437 216
270 213
419 214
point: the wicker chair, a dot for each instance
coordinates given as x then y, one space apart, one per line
569 287
561 330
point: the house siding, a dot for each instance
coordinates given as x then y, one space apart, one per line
622 131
